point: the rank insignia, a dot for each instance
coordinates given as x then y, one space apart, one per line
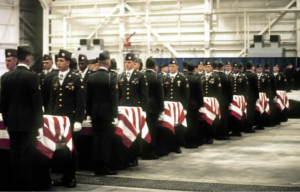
82 86
178 82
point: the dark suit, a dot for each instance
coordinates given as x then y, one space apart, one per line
289 76
253 95
272 93
21 104
281 82
47 88
68 100
154 108
102 106
194 104
225 98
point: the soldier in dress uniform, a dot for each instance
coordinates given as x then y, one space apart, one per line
155 107
225 98
215 67
21 105
228 68
113 67
263 87
84 71
240 88
102 106
73 66
11 59
201 70
68 99
176 89
133 91
164 69
138 65
211 85
272 95
195 103
184 66
253 95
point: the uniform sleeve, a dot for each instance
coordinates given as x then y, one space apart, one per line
89 98
80 102
37 102
160 94
185 93
255 87
230 89
4 100
200 93
114 95
143 92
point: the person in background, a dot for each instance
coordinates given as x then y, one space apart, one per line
84 71
200 69
164 69
11 59
184 66
228 68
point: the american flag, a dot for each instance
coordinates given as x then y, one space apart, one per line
210 110
55 129
238 107
262 104
282 100
4 137
174 115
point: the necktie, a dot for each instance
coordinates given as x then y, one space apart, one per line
61 77
172 79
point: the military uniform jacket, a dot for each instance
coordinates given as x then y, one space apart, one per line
200 74
280 81
155 93
226 89
47 88
102 95
184 72
21 100
162 74
211 86
134 92
264 84
86 77
196 93
239 85
229 74
253 93
178 90
68 99
273 88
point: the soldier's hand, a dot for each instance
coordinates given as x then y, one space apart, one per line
88 119
184 112
77 126
41 133
161 116
115 122
144 114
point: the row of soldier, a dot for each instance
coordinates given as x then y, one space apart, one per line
99 91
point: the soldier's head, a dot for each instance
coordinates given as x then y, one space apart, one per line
253 68
215 65
47 62
207 66
249 65
276 68
191 67
83 62
138 64
173 66
63 60
151 63
200 66
129 61
236 68
228 66
24 54
267 66
221 66
164 67
11 60
185 65
73 64
91 66
242 67
104 60
113 64
259 68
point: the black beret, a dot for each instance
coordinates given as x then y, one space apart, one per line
227 63
130 56
65 54
163 65
207 62
276 65
184 64
215 64
173 61
220 64
11 53
267 65
138 60
249 65
235 64
259 65
113 64
73 62
200 63
92 61
150 63
104 56
191 66
241 65
47 57
24 50
56 57
82 57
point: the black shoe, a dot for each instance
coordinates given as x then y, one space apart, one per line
133 163
237 134
72 183
190 146
58 183
208 141
150 157
106 171
250 131
259 128
176 150
222 138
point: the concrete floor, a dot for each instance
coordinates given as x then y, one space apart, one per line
269 157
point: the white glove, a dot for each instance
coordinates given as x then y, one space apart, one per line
43 109
161 116
77 126
41 133
144 114
115 122
88 119
184 112
275 99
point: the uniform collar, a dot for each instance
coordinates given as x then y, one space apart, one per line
23 65
208 74
151 70
276 73
103 68
173 75
164 73
129 71
113 70
64 73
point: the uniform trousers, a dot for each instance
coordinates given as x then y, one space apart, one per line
152 121
102 137
235 124
249 122
190 137
208 130
222 129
